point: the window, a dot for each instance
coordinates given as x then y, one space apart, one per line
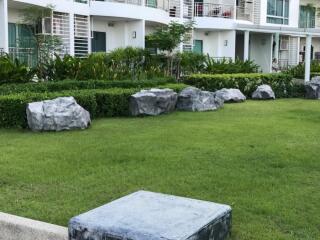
278 12
307 17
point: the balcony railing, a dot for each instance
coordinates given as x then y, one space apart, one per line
283 64
160 4
24 55
82 1
133 2
309 23
213 10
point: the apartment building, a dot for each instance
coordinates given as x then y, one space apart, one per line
259 30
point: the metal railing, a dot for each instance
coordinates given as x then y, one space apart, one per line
213 10
159 4
81 1
245 13
309 23
132 2
2 52
24 55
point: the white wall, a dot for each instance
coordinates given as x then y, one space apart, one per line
261 50
14 16
214 43
4 25
135 33
120 33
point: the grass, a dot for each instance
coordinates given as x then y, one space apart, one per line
262 158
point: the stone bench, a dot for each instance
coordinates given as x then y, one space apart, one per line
153 216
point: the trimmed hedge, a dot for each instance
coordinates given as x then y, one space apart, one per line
282 84
99 102
43 87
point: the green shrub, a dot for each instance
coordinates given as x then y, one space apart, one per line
123 63
99 102
227 66
12 71
41 87
281 84
191 62
299 70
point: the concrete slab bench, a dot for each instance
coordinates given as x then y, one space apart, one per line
153 216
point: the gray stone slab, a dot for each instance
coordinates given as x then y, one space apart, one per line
153 216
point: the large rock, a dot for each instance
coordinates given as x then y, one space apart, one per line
313 88
231 95
59 114
193 99
263 92
153 216
153 102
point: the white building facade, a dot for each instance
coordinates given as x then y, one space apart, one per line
259 30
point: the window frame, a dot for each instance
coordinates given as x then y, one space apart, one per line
284 19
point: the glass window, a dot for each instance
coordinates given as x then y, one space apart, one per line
278 12
307 17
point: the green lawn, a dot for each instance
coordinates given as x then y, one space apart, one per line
262 158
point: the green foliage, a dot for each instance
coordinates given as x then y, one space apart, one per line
281 83
191 62
99 102
168 37
64 68
227 66
12 71
42 87
299 70
123 63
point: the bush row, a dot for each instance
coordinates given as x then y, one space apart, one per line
282 84
42 87
99 102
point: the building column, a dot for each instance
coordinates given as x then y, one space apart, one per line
307 61
4 39
276 48
71 34
90 26
246 45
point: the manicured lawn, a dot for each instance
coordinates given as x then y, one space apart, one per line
262 158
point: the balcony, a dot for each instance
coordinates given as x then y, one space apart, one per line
225 11
160 4
213 10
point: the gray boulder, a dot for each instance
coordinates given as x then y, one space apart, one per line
59 114
313 88
193 99
263 92
231 95
153 102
